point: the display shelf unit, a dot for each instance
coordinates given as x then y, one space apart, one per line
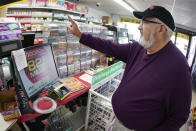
46 8
31 18
71 57
27 16
100 115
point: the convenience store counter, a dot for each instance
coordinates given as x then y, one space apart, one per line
6 125
27 117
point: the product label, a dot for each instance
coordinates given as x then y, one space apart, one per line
11 114
10 31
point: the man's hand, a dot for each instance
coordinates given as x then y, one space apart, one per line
74 28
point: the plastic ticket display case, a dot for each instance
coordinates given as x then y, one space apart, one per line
100 115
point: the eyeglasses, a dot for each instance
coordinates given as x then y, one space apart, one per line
148 21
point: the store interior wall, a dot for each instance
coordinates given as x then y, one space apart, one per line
116 20
3 12
97 14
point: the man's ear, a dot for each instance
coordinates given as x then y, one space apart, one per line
162 28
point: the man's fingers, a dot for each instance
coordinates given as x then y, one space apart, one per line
68 28
71 20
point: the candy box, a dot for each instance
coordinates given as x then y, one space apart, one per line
8 106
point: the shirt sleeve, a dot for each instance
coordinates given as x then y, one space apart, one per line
178 104
119 51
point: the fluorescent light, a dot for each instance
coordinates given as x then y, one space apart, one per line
125 5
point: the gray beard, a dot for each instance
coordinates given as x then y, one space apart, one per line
147 43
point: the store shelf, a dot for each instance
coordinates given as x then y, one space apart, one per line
19 16
27 16
25 22
32 22
97 23
28 33
46 8
27 117
31 32
62 18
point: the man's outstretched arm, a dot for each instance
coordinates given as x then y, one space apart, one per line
120 51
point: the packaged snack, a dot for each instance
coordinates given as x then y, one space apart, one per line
8 106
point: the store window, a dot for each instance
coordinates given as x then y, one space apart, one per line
192 51
133 31
182 42
132 26
173 37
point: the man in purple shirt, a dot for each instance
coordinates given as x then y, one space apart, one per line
155 92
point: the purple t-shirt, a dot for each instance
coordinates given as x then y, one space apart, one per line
156 90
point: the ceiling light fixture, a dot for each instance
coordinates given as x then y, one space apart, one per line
125 5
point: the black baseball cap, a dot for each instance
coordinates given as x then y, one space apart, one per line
157 12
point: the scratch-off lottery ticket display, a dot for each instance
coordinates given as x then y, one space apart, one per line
40 71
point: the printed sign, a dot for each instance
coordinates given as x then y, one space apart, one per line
81 8
35 64
99 76
180 35
40 70
137 21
